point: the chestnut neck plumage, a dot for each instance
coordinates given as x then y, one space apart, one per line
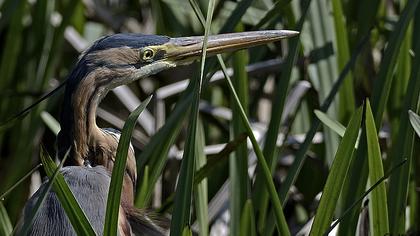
85 131
78 121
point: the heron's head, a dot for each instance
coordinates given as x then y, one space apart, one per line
122 58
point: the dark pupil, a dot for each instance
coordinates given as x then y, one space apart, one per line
148 54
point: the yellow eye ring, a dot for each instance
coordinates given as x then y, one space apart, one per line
147 54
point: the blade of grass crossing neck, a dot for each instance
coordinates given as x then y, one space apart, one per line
69 203
6 227
248 220
181 214
347 102
415 121
200 189
378 209
238 161
355 184
260 193
278 211
404 148
118 171
336 176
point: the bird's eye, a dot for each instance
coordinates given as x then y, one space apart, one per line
147 54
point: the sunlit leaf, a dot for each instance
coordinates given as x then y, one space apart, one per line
338 172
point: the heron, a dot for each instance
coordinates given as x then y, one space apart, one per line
110 62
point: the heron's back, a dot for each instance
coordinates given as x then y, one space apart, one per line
89 186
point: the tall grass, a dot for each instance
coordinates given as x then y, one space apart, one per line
195 162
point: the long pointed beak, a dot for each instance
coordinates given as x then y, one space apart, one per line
189 48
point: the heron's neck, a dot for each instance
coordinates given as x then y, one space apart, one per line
85 101
79 132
